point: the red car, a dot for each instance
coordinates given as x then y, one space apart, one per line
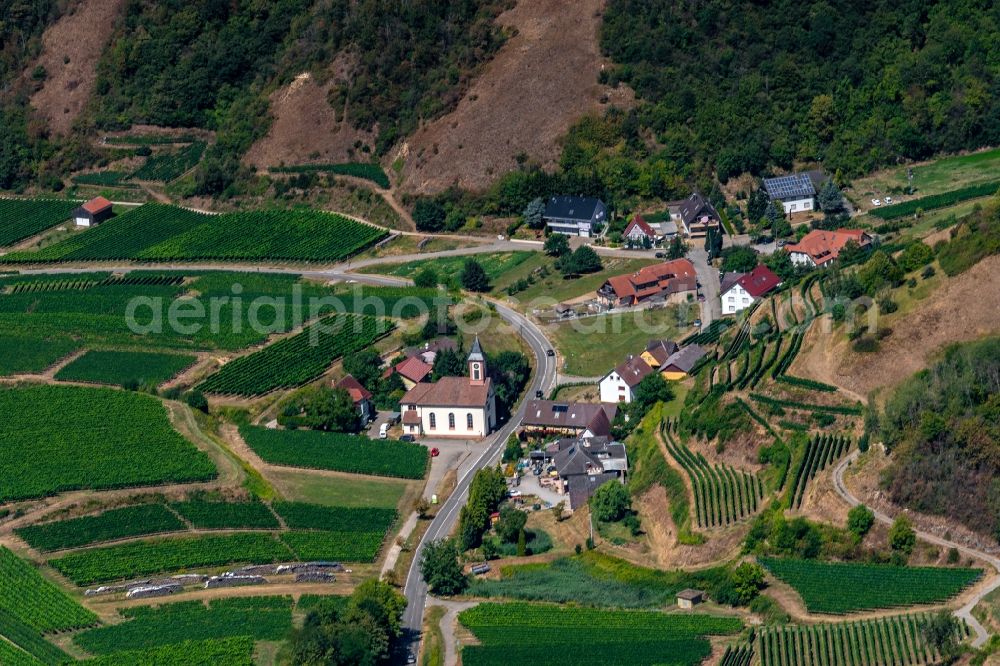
435 452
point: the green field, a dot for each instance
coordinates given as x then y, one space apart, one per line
32 355
340 452
943 175
129 521
395 302
160 232
842 587
215 652
316 488
59 438
23 218
34 601
594 345
448 268
302 516
554 635
260 618
125 368
226 515
555 287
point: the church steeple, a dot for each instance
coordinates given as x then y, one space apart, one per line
477 364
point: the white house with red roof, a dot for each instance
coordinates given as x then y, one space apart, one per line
638 230
93 212
459 407
819 247
740 290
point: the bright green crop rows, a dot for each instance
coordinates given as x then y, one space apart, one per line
36 602
103 178
261 618
32 355
23 218
396 302
166 166
349 546
336 451
557 635
302 516
217 652
821 451
162 232
120 523
843 587
739 655
885 641
223 515
298 359
30 640
722 495
12 656
125 368
59 438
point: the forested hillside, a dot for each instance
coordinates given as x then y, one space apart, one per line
943 428
856 84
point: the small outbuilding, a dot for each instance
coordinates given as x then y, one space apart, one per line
689 598
93 212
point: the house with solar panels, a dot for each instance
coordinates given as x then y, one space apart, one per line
797 192
574 216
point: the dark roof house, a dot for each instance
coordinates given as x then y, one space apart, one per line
698 215
792 187
585 464
683 360
574 216
579 417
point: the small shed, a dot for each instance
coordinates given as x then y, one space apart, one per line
93 212
689 598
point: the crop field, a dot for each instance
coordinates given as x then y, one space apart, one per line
104 179
821 451
11 655
554 635
336 451
738 655
722 495
30 599
123 368
302 516
395 302
226 515
160 232
59 438
260 618
298 359
30 640
942 175
886 641
495 265
32 355
365 170
167 166
23 218
142 558
215 652
120 523
840 587
346 546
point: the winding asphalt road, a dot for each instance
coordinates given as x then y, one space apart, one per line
965 612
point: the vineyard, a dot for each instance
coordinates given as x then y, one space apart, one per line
298 359
104 179
24 218
30 599
841 587
852 410
347 546
125 368
120 523
556 635
395 302
161 232
336 451
260 618
59 438
216 652
710 335
822 450
942 200
226 515
365 170
740 655
32 355
722 495
167 166
886 641
298 515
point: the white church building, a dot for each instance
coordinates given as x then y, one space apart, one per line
459 407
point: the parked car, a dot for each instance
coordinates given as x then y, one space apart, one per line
888 200
660 255
515 493
383 431
435 452
411 658
407 438
539 394
549 352
697 323
876 202
782 243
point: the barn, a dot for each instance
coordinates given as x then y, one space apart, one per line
93 212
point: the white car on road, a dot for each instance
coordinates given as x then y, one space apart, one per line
876 202
888 200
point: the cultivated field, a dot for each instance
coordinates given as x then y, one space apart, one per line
125 368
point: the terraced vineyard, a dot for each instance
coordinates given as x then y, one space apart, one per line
886 641
32 355
23 218
846 587
554 635
298 359
336 451
59 438
302 516
124 368
104 179
128 521
226 515
739 655
161 232
822 450
722 495
167 166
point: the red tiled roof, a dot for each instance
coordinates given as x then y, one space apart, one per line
96 205
414 369
637 221
448 392
354 387
668 277
823 246
759 281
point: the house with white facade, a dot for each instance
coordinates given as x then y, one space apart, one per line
459 407
819 247
740 290
619 384
797 192
574 216
639 231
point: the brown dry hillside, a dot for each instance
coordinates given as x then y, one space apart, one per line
70 50
305 127
542 80
965 307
